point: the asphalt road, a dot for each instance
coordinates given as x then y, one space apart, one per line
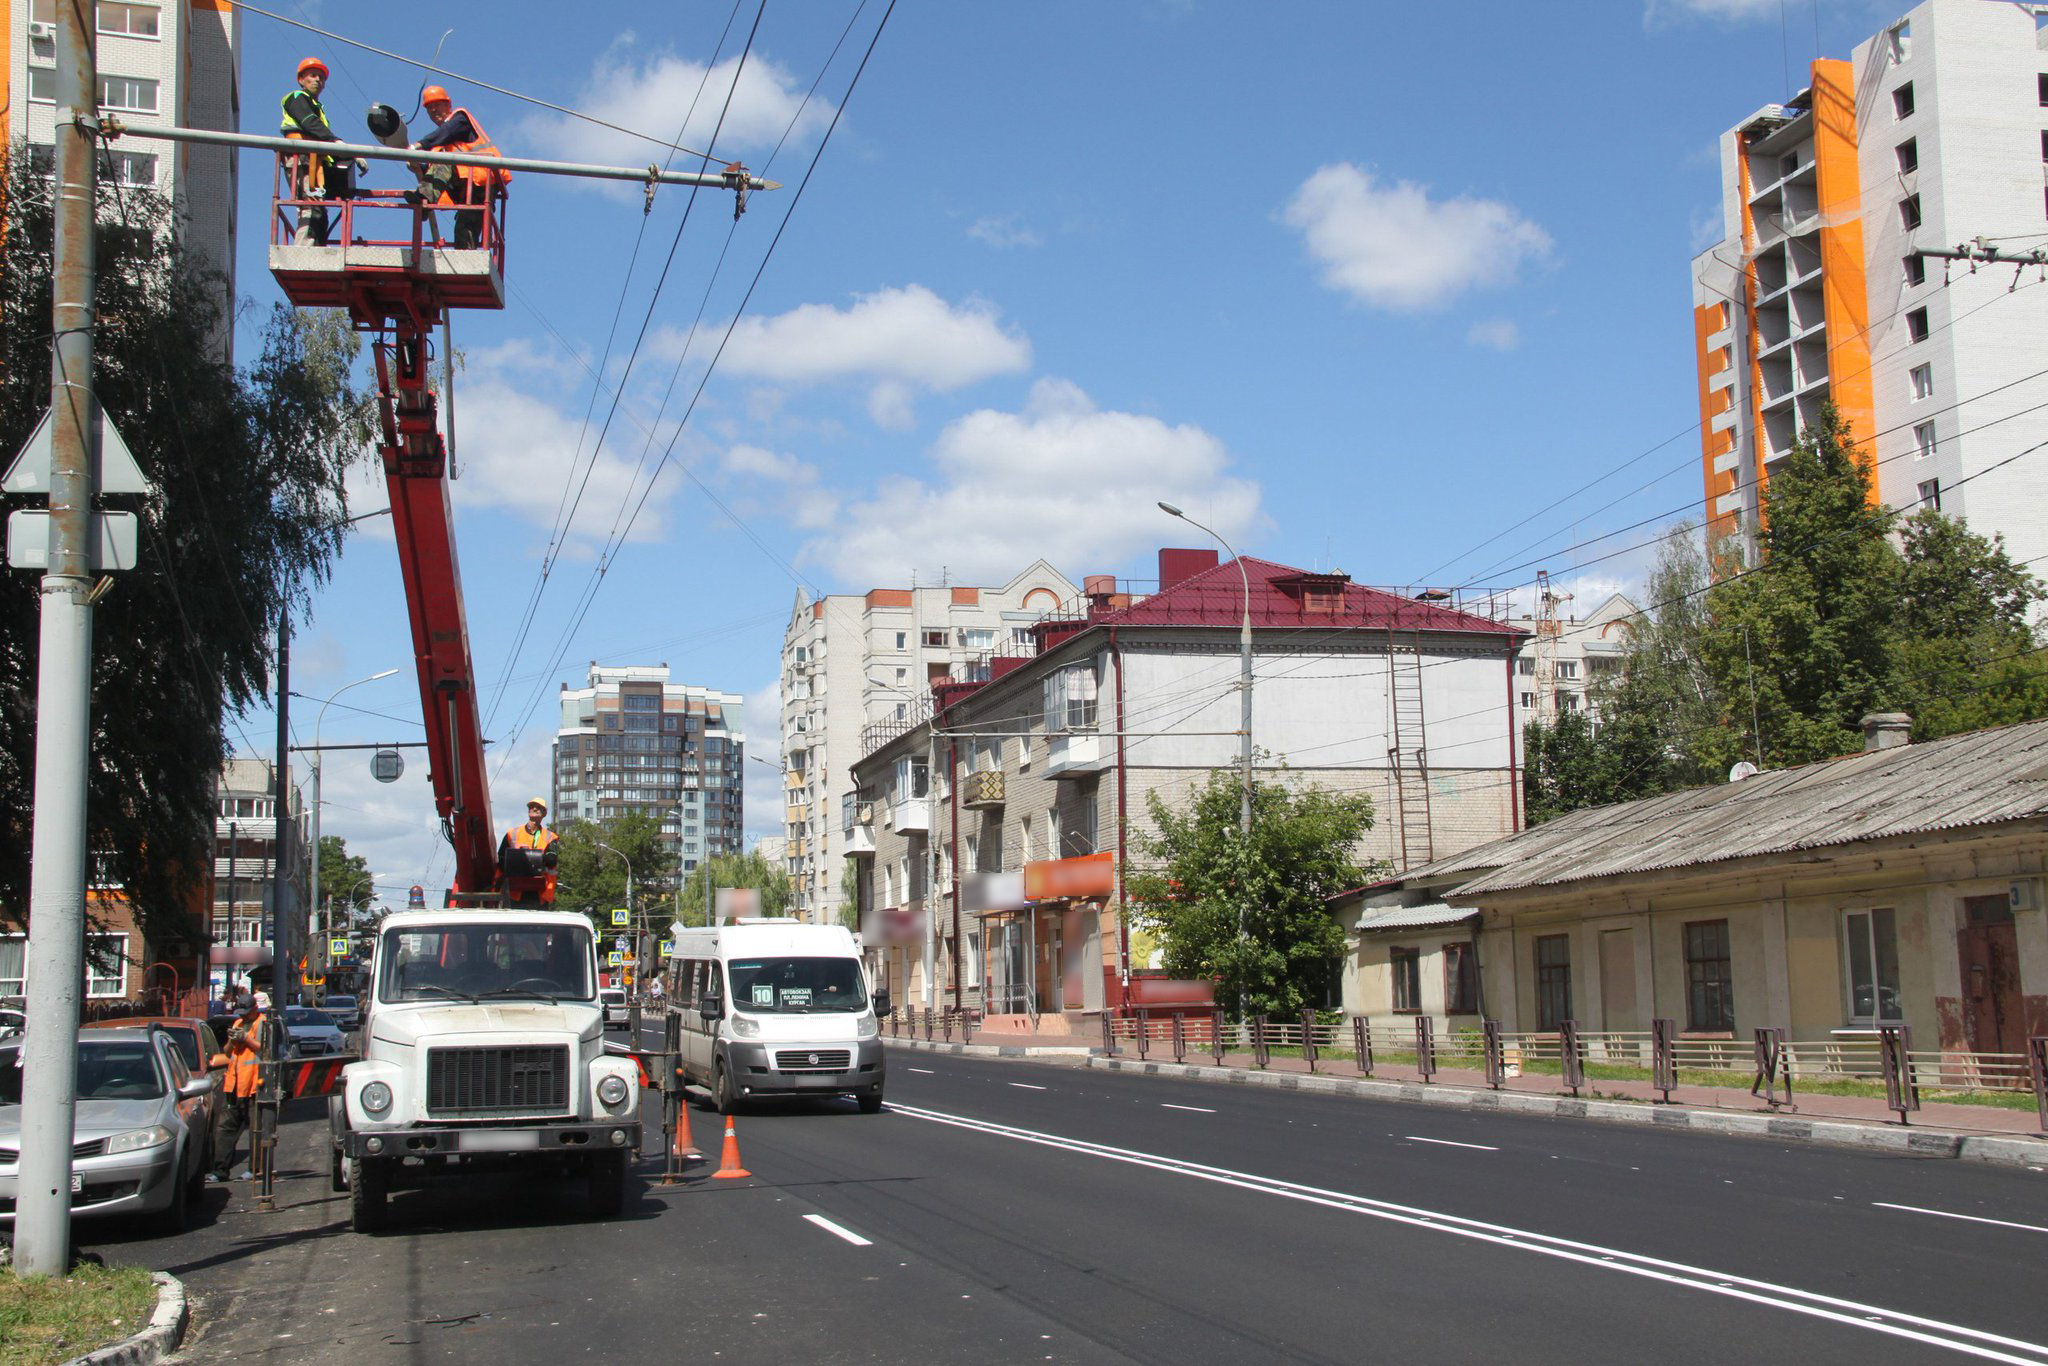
1002 1212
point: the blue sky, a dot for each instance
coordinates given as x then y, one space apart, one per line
1359 285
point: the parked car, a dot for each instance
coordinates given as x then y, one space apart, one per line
197 1043
344 1011
613 999
313 1033
11 1022
141 1143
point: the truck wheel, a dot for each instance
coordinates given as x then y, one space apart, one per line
722 1099
368 1184
870 1105
607 1177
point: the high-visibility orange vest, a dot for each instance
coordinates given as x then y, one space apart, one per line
478 176
243 1059
522 838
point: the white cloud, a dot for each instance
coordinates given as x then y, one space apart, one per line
793 484
656 93
1727 11
1392 246
765 812
1061 480
1003 231
1500 334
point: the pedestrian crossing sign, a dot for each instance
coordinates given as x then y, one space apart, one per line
614 958
668 948
337 947
622 917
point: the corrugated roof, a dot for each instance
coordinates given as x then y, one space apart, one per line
1982 778
1215 597
1413 917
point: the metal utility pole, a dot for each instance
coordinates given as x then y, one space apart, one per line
281 788
57 867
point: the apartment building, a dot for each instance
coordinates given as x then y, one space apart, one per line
631 741
1934 132
990 839
245 862
858 660
1567 657
162 63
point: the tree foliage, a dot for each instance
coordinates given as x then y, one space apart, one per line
1850 611
244 523
345 882
1203 873
753 869
588 876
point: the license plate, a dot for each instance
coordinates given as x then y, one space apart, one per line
487 1141
77 1184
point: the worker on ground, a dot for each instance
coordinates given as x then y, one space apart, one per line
528 856
314 176
457 130
242 1056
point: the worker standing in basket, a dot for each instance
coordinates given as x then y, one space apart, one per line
457 130
314 176
527 857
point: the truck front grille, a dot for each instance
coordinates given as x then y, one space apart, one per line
477 1082
813 1060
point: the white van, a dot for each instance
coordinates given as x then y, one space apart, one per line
775 1007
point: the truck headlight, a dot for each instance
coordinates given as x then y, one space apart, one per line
376 1098
744 1028
137 1139
867 1028
612 1091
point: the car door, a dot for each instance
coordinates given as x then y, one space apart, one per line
190 1110
699 982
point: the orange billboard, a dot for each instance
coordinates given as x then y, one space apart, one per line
1062 878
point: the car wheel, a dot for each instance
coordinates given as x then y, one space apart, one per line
195 1184
722 1099
174 1216
368 1184
607 1191
870 1105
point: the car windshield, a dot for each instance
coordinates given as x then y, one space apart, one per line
301 1016
126 1070
341 1003
798 986
484 961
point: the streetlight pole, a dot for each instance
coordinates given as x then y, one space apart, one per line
313 887
629 878
1244 684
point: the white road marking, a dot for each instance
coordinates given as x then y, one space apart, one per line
1956 1337
926 1070
848 1234
1026 1086
1198 1109
1973 1218
1452 1143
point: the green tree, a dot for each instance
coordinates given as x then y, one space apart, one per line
849 894
752 869
589 876
1203 872
1967 656
246 518
345 882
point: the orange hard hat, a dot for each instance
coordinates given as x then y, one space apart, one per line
434 94
313 64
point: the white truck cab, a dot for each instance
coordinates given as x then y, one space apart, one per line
483 1050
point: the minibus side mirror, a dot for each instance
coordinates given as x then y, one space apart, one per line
882 1001
710 1008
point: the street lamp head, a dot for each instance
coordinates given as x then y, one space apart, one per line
1170 510
374 677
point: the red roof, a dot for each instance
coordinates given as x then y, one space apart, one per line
1283 596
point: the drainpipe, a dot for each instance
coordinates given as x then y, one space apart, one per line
1515 812
953 801
1123 919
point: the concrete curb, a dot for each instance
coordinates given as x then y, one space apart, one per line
2004 1150
166 1330
1041 1052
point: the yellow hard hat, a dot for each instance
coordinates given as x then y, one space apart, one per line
540 802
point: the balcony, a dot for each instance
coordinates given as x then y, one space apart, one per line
911 815
984 789
857 839
1077 754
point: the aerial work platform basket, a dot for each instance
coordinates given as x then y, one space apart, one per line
389 254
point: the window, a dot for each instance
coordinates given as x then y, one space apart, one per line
1461 979
1525 666
913 779
1567 668
1914 267
42 84
903 640
1900 41
1923 382
1916 325
1908 153
106 965
1567 701
1923 440
14 966
133 93
1407 966
937 638
1070 698
1930 494
1709 982
1902 101
979 639
1871 947
1909 212
1528 699
137 21
1553 980
2041 89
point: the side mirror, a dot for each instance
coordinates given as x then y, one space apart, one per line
196 1087
882 1001
710 1008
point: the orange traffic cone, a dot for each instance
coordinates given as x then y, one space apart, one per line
685 1147
729 1167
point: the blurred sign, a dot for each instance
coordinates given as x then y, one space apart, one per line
1058 879
622 917
387 766
996 892
731 903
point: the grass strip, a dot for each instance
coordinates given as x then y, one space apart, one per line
45 1320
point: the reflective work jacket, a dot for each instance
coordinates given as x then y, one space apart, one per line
478 176
242 1059
519 837
312 169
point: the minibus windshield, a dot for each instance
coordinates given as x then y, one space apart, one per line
797 986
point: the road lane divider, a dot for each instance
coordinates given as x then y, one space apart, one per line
1198 1109
839 1231
1026 1086
1955 1337
1451 1143
926 1070
1973 1218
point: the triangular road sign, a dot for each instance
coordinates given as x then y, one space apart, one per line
115 470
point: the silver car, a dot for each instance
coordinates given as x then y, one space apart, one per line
140 1142
344 1011
313 1033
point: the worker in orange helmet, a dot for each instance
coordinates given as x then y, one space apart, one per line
528 855
314 177
457 130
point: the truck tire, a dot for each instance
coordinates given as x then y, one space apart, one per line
722 1098
870 1104
368 1184
607 1185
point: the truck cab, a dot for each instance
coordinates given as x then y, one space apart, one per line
483 1050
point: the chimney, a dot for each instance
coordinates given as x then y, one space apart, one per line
1886 730
1175 566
